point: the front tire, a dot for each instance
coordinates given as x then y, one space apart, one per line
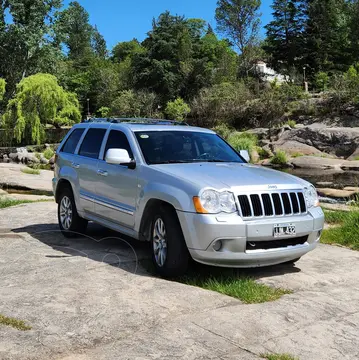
71 224
170 255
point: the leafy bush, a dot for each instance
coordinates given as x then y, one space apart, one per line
49 153
280 158
243 141
104 112
223 130
224 102
177 110
291 123
321 81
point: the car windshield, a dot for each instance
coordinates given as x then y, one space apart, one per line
167 147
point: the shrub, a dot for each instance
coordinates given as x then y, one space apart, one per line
104 111
49 153
280 158
177 110
223 130
2 88
321 81
291 123
243 141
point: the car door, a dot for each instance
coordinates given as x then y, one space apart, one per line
116 188
86 165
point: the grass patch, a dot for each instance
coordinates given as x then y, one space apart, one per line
5 202
297 155
280 158
31 171
278 357
347 233
15 323
243 141
229 282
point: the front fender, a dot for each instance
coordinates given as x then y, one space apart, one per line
176 197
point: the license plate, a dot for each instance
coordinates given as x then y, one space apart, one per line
281 230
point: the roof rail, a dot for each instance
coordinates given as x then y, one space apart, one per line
142 121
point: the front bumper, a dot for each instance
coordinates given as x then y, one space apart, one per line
201 232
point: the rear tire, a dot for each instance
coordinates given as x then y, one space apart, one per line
170 255
71 224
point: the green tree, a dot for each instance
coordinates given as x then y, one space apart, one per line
326 46
39 101
26 45
239 20
98 43
285 35
177 110
73 30
126 49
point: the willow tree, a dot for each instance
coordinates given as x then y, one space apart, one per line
39 101
2 88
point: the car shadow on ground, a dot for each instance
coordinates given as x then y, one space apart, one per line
109 247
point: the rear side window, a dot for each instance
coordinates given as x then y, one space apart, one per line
92 142
118 140
72 141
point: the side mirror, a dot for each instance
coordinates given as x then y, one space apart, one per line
245 155
119 157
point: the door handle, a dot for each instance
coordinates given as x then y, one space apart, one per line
102 172
76 166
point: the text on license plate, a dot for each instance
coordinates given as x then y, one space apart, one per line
284 230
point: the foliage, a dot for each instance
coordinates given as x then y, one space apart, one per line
285 35
177 110
2 88
130 103
223 130
49 153
291 123
39 101
223 102
347 233
240 21
104 112
30 171
280 158
26 45
243 141
321 81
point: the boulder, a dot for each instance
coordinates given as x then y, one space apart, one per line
295 147
52 160
261 133
31 158
43 160
341 142
319 163
336 193
354 155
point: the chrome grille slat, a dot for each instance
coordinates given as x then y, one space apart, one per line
272 204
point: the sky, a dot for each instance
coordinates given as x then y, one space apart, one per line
123 20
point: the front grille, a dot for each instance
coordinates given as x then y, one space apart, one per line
276 244
272 204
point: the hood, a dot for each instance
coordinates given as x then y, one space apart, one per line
232 176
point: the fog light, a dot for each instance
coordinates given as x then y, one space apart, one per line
217 245
319 234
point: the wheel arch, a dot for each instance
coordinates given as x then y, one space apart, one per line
63 183
150 208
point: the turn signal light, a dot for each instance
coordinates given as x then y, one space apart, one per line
198 206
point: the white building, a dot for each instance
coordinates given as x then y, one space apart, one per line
270 74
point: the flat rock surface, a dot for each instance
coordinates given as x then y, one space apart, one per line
313 162
11 175
88 298
337 193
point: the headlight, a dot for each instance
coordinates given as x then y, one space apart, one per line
311 196
214 202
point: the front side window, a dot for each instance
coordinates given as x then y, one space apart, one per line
92 142
72 141
165 147
118 140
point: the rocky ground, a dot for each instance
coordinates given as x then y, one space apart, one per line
88 299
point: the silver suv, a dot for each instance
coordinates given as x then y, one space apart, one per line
186 191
